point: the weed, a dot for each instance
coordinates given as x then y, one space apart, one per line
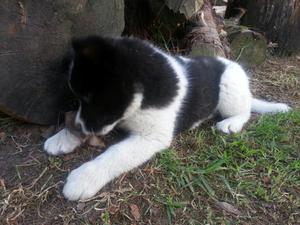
171 206
105 218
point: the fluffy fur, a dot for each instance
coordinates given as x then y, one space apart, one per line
133 85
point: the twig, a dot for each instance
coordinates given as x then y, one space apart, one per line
38 178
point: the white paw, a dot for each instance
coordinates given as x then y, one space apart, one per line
85 181
229 126
61 143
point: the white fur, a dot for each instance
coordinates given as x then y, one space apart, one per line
105 130
186 60
61 143
85 181
261 106
78 121
233 124
234 98
134 106
69 73
198 123
151 132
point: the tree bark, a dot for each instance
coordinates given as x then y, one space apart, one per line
279 20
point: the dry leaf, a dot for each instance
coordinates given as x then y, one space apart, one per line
48 132
69 157
2 136
266 180
96 142
2 184
114 209
229 208
80 206
135 212
150 170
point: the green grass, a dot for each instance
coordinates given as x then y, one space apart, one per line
105 218
261 164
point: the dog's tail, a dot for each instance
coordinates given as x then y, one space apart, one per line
261 106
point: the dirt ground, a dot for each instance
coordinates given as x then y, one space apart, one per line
31 181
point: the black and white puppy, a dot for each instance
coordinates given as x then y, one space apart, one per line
129 83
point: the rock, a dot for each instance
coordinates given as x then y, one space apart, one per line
35 37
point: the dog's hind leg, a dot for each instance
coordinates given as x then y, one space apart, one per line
233 124
234 98
236 102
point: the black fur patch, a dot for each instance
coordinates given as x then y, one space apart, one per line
202 97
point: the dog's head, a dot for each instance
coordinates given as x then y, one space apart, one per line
100 79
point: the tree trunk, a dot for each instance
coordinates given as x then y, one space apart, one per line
278 19
34 39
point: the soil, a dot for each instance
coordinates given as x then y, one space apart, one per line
31 181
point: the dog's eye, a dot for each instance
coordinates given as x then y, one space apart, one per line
87 98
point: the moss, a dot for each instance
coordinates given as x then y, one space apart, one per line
249 48
205 49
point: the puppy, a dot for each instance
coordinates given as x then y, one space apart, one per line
131 84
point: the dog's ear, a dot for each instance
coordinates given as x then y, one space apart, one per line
85 49
92 47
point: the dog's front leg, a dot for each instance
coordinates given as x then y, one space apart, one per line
61 143
85 181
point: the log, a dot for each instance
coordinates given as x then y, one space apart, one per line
34 43
249 48
204 38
